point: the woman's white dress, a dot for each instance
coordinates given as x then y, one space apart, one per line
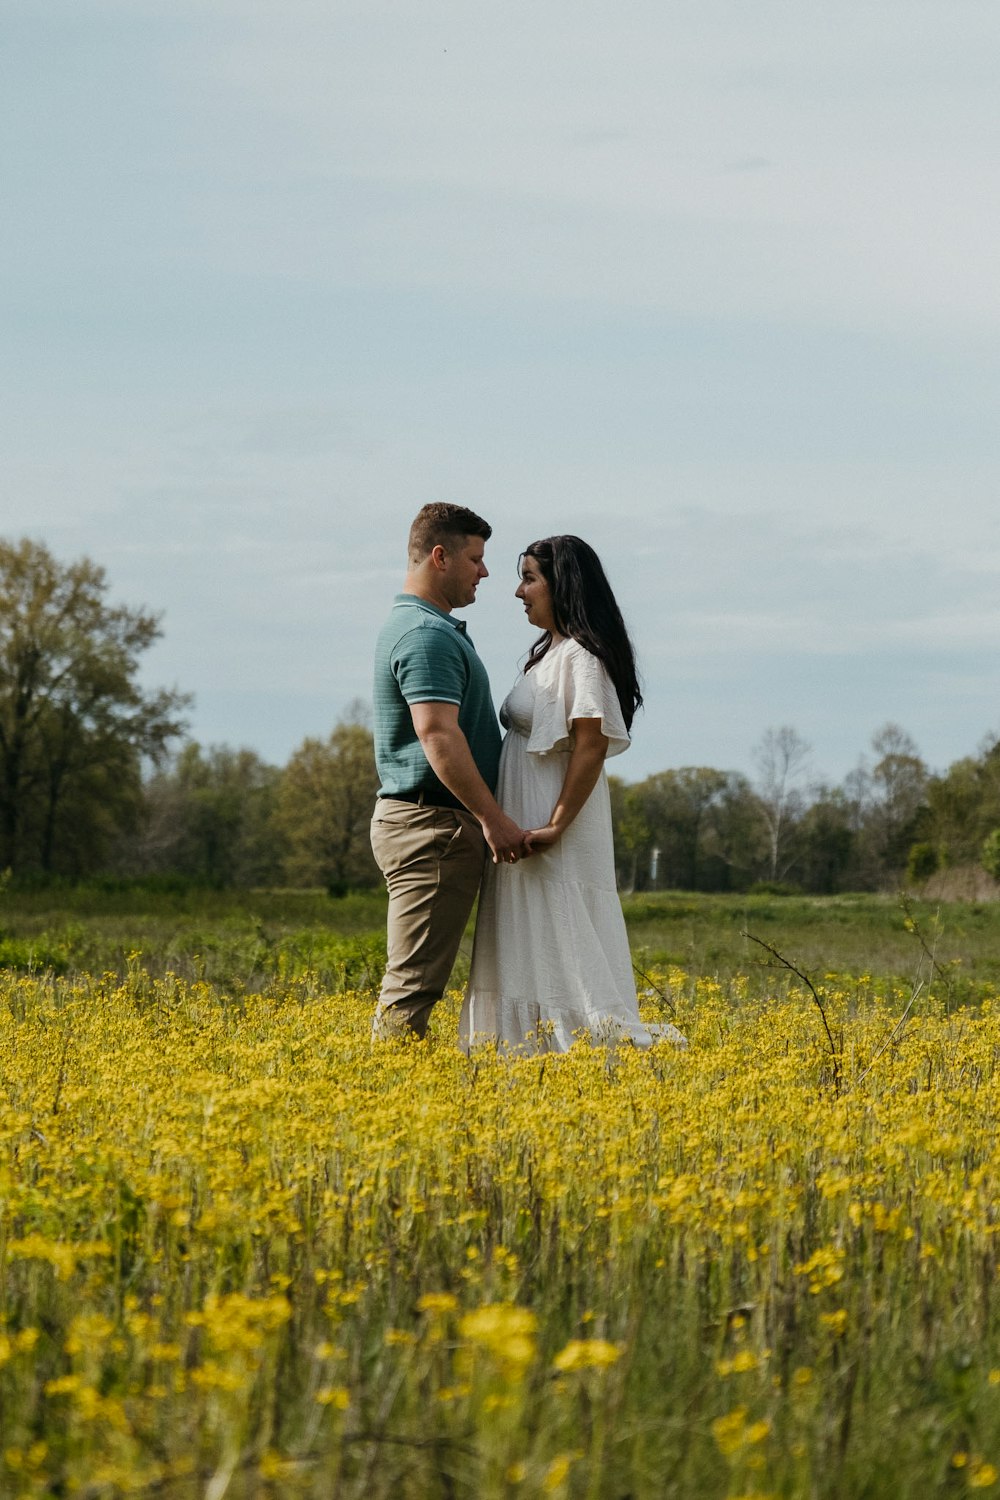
551 960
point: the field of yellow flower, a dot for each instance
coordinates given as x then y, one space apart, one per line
243 1254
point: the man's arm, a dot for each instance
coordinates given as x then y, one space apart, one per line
450 759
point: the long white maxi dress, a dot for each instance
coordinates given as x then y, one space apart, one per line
551 960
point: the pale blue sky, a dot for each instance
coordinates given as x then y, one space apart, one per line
713 285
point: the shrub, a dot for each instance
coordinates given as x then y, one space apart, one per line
923 861
989 856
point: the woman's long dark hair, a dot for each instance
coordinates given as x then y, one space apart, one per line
584 607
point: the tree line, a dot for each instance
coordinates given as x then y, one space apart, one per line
702 829
891 821
96 777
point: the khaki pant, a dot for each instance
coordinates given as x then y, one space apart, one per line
432 859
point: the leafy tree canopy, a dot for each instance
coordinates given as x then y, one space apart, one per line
75 725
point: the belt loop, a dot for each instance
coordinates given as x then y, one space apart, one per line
420 799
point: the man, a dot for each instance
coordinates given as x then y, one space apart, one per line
437 747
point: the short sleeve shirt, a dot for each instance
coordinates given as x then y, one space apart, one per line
423 655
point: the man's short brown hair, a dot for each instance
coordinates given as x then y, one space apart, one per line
442 525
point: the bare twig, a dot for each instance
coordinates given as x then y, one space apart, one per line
400 1441
786 963
892 1035
655 987
912 925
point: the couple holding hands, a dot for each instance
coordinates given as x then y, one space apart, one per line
551 960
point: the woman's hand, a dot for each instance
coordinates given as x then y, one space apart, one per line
538 839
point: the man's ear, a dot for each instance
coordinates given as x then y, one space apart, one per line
438 556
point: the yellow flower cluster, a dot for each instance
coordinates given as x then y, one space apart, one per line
243 1252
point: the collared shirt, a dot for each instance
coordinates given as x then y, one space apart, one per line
424 655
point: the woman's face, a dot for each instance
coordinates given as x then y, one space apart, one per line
535 596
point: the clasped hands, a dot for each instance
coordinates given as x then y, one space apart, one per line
533 841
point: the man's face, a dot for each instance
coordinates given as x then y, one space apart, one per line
464 569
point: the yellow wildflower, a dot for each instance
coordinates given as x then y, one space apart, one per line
587 1354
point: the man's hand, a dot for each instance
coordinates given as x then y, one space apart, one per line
505 838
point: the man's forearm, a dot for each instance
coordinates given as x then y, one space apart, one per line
450 759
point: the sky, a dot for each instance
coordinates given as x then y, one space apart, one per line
713 285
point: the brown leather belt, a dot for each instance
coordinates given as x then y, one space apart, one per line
421 798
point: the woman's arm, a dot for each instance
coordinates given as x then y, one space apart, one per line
582 773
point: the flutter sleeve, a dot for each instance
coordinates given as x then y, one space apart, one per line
573 684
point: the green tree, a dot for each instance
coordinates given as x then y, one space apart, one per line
924 860
890 804
736 841
959 802
75 726
824 842
210 817
623 833
325 806
666 825
989 856
964 804
900 777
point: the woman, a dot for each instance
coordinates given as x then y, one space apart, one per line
551 960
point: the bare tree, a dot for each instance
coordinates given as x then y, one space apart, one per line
782 760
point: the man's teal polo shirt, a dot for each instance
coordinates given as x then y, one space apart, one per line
424 655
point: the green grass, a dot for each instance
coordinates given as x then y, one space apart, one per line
252 938
849 935
239 938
